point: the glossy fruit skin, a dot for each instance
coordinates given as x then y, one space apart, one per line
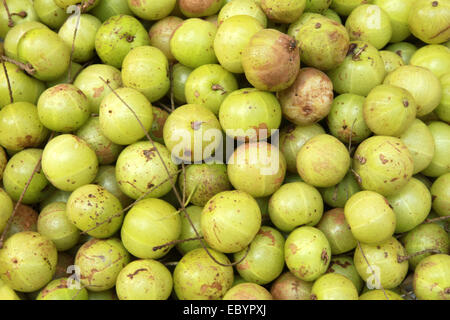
230 220
90 206
192 43
196 270
295 204
309 98
113 40
289 287
100 262
345 7
209 85
187 231
6 208
336 196
161 32
6 293
398 12
49 13
378 294
139 169
195 9
440 163
106 9
64 4
257 168
242 7
404 50
433 57
16 6
60 289
28 261
332 286
431 271
383 164
443 109
391 60
150 223
13 37
284 11
440 192
106 177
144 280
151 10
62 159
251 114
233 36
117 121
247 291
344 265
428 21
323 161
20 127
180 74
265 259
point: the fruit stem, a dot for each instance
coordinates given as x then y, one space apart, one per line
8 82
78 12
401 259
10 20
22 14
162 105
217 87
174 242
26 67
437 219
360 51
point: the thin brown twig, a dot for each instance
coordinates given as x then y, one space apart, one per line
8 82
174 242
73 43
10 20
27 67
162 105
401 259
437 219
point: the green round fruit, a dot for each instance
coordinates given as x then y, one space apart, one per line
323 161
295 27
86 4
161 32
17 173
74 69
6 293
144 280
370 217
344 265
434 57
6 209
264 261
233 36
319 6
443 109
391 60
117 36
27 261
206 179
404 50
247 291
432 279
440 163
196 9
106 9
180 74
140 171
146 69
63 289
242 7
345 7
150 223
428 21
283 11
336 196
16 6
398 12
333 286
188 232
379 294
100 262
383 164
440 192
118 123
198 277
49 13
289 287
63 108
295 204
230 220
331 14
15 34
68 162
209 85
362 70
423 85
307 253
106 177
151 10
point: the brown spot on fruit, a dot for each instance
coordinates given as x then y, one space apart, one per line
383 159
324 256
131 275
293 248
268 234
149 154
98 91
195 125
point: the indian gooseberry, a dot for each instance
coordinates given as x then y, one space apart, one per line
440 163
150 223
331 14
180 74
333 286
73 70
192 133
378 294
146 69
159 119
62 289
15 7
295 204
319 6
283 11
87 4
120 124
192 43
346 119
383 164
411 205
140 171
106 9
94 210
335 227
152 10
49 13
264 261
336 196
423 85
242 7
209 85
3 161
247 291
323 161
428 21
250 114
6 208
440 192
431 278
13 37
196 9
6 293
117 36
398 12
289 287
20 127
84 44
54 224
345 7
425 237
233 36
68 162
389 110
106 177
344 265
370 217
17 173
309 99
27 261
307 253
391 60
434 57
257 168
63 108
198 277
100 262
443 109
203 181
187 232
54 196
230 220
160 34
404 50
109 294
25 219
295 27
144 280
292 138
